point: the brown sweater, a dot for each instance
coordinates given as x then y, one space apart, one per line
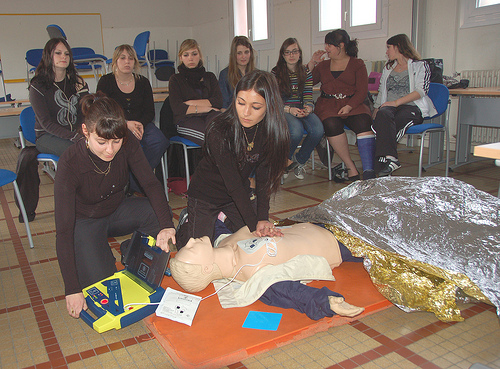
353 81
81 192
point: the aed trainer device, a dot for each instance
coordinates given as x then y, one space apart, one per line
138 283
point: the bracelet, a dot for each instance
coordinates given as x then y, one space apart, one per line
196 107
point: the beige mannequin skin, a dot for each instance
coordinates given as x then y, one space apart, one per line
199 262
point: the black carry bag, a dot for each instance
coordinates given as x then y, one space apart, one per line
28 181
436 66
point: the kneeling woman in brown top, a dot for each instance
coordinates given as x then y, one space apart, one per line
90 202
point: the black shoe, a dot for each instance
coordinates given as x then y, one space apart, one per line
182 218
369 174
31 217
339 175
389 168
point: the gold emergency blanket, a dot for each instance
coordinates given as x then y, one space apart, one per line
426 241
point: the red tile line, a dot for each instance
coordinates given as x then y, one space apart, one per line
53 349
56 358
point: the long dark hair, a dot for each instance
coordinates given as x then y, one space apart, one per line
104 116
339 36
228 128
234 74
405 47
45 74
283 74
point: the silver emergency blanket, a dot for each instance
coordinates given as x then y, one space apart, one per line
426 240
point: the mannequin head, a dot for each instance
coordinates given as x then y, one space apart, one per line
194 267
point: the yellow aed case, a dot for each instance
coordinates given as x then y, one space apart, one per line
139 282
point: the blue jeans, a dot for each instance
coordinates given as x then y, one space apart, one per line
154 144
314 128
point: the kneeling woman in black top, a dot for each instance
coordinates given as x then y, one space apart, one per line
90 201
251 136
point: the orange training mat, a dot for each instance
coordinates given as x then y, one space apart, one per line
217 339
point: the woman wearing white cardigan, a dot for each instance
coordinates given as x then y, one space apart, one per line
402 100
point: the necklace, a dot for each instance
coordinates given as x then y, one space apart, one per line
125 83
250 145
98 170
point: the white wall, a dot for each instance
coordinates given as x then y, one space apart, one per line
209 23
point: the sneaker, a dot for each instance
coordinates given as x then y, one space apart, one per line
389 168
300 171
290 168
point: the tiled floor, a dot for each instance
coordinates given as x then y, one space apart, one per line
37 331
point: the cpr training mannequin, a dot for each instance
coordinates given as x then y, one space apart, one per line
197 264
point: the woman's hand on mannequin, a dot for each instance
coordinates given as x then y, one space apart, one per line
136 128
345 110
163 237
75 303
266 228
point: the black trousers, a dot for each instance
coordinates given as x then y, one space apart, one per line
94 257
390 125
202 216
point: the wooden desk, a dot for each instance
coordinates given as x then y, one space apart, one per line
158 90
478 106
160 97
9 118
14 104
491 151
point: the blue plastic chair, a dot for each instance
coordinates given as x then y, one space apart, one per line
33 58
186 145
440 96
85 58
6 177
27 133
141 46
55 31
159 58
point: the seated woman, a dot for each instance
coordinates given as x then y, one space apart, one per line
194 94
134 94
90 201
251 136
402 100
344 88
295 83
241 61
242 254
55 92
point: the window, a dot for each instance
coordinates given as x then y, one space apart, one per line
360 18
254 19
476 13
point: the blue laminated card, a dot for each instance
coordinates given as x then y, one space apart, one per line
262 320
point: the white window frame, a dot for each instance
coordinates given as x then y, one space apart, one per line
378 29
267 44
472 16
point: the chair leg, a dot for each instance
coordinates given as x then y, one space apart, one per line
186 162
420 159
23 212
164 169
329 160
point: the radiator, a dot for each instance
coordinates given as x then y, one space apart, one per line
483 78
